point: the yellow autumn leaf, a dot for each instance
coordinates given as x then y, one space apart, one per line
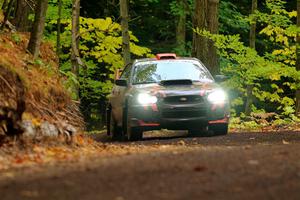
293 14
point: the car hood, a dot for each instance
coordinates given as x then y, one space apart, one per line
196 88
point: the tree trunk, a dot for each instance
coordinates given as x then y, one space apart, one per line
181 28
58 43
21 20
125 31
75 33
253 26
206 17
298 58
213 27
7 13
4 5
75 55
252 40
199 42
38 28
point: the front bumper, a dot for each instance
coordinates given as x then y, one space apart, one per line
177 117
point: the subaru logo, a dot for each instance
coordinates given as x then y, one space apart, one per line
183 99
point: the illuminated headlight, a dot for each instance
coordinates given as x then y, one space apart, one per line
145 99
217 97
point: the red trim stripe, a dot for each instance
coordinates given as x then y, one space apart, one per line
142 123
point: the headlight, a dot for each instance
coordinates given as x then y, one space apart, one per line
146 99
217 97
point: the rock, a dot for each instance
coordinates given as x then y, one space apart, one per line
29 128
68 129
48 129
71 129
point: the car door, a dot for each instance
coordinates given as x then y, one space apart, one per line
117 97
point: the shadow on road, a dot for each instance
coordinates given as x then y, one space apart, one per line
232 139
155 137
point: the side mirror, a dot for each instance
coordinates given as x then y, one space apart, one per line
121 82
118 73
220 78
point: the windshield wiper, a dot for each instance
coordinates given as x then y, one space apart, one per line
144 82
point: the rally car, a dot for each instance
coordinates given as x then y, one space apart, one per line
167 92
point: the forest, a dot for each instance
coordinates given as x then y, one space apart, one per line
254 43
72 128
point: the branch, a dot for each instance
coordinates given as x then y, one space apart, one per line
7 84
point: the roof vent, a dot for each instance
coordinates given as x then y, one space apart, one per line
165 56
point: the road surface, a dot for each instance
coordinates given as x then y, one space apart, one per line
236 166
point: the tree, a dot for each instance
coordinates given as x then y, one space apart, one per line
23 9
58 43
38 28
181 25
125 31
206 17
252 39
4 4
75 58
7 13
298 57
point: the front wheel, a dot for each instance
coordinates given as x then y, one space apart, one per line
197 132
218 129
133 133
114 130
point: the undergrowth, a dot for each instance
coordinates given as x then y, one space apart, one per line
253 124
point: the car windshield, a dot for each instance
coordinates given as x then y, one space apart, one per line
156 71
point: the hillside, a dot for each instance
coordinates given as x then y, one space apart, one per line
33 99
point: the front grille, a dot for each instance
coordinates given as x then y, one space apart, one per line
183 99
183 114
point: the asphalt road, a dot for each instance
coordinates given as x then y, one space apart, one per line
236 166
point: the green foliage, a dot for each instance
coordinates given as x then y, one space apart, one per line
154 24
281 30
231 19
178 9
273 74
100 48
70 82
39 62
237 123
16 38
259 125
53 9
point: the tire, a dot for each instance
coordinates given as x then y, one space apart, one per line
197 132
114 131
218 129
135 134
132 133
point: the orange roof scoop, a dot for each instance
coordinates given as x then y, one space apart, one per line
166 56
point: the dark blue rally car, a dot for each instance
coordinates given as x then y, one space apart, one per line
167 92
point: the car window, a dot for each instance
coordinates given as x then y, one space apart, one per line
156 71
126 72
